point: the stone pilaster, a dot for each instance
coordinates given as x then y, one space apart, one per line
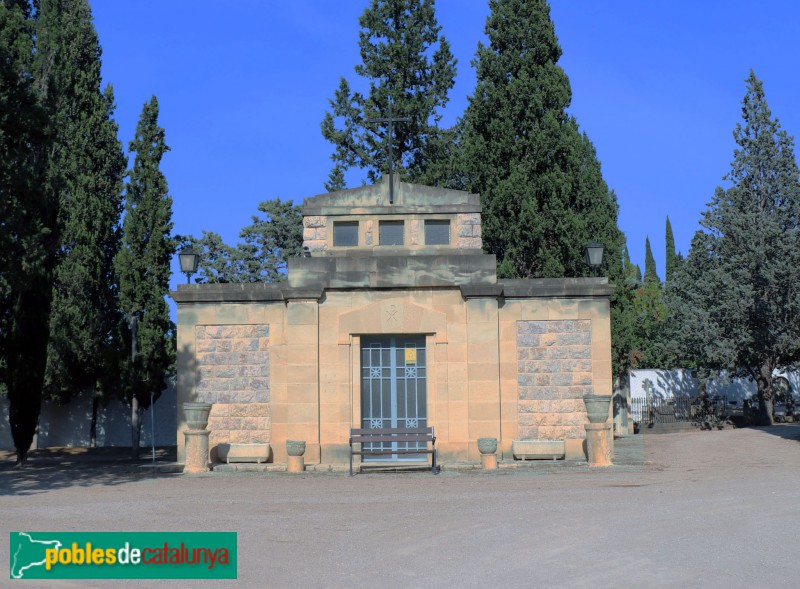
482 371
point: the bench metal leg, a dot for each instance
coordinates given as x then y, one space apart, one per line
351 462
435 469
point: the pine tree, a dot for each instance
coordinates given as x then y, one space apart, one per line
543 193
736 296
143 266
28 227
268 244
650 274
217 261
270 241
86 170
672 257
410 70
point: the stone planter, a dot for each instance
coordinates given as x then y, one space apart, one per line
487 445
295 450
239 452
197 414
295 447
597 407
538 449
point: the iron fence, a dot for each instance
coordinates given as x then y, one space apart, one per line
702 411
658 410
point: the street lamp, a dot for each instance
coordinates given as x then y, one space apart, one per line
188 260
594 255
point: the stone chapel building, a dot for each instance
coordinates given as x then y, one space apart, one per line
397 318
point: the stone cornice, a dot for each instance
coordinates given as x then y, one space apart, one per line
227 293
556 288
508 289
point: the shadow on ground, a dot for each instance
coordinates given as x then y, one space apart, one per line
57 468
787 431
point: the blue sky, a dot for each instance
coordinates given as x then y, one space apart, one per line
243 87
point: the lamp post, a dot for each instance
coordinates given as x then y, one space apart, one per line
188 260
594 255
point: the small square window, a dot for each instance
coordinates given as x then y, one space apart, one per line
391 232
437 232
345 234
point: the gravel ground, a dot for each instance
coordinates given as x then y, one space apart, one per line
696 509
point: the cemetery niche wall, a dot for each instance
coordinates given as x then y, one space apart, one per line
397 319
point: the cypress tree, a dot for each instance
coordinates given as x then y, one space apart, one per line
672 258
29 231
650 274
86 170
143 266
410 70
543 193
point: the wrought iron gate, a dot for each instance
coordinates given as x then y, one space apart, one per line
393 386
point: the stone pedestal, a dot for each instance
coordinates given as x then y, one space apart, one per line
295 464
489 461
598 443
487 447
196 450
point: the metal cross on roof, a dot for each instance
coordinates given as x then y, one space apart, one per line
391 120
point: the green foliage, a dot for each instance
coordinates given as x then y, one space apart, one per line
86 171
736 296
410 70
268 244
271 240
650 274
638 321
28 228
544 197
143 261
672 257
442 161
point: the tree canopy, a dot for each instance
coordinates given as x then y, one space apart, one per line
143 266
86 170
736 297
544 197
61 182
28 219
262 256
410 70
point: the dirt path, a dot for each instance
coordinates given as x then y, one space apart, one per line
706 509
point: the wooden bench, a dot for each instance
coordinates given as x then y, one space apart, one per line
394 436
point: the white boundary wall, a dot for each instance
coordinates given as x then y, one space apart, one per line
68 425
676 383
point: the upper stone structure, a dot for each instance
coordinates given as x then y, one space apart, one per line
422 221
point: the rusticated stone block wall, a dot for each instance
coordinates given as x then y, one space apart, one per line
315 233
554 374
468 231
233 370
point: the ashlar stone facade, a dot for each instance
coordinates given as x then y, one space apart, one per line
406 322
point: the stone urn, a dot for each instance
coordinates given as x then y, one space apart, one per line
295 447
597 407
197 414
487 445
